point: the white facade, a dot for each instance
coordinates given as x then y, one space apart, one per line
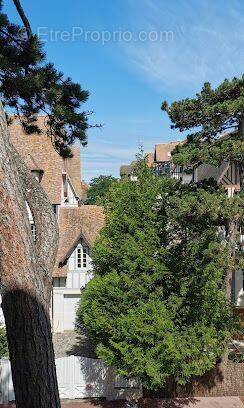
238 284
67 291
69 197
238 288
180 173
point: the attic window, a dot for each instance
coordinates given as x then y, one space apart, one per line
84 258
33 230
81 260
37 174
79 257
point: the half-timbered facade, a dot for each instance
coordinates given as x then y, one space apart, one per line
164 165
226 175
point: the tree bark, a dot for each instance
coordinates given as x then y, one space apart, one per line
241 164
231 251
23 17
26 278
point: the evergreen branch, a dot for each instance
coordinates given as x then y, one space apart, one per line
23 17
19 42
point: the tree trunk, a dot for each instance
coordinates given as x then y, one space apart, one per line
31 351
241 164
26 278
231 246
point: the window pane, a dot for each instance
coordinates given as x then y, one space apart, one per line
79 260
33 230
84 258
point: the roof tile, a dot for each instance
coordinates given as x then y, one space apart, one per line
163 151
86 222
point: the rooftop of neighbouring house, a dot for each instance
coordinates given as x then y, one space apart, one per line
75 223
162 151
39 155
127 170
207 171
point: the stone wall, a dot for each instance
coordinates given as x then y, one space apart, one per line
225 380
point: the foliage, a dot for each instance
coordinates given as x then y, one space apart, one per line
99 187
3 343
156 307
215 118
237 358
30 86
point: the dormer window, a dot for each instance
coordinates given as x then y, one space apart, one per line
69 197
81 257
33 230
84 258
37 174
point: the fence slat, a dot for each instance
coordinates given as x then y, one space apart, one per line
78 377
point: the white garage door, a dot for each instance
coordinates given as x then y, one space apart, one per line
71 303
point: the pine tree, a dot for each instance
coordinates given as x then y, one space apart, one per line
215 120
29 85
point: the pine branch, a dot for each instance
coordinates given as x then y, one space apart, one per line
23 17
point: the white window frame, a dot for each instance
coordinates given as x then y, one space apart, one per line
33 229
81 258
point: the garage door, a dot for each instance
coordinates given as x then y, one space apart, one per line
71 303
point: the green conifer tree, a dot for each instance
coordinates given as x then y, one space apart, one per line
156 308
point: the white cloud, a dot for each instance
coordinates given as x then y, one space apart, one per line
105 158
207 45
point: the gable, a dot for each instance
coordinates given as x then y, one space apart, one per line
163 151
86 222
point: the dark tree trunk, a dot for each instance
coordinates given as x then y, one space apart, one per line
231 246
23 17
26 278
31 352
241 164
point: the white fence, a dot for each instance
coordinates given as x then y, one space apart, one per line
78 377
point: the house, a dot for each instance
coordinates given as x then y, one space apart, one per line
128 171
226 175
78 229
79 225
163 163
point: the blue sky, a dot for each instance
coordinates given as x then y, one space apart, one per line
131 55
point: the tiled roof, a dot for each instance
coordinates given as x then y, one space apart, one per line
86 222
32 164
73 168
84 188
39 154
150 159
207 171
162 152
127 169
38 148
